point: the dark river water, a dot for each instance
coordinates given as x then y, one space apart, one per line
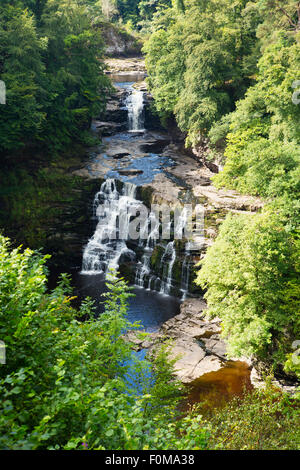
150 308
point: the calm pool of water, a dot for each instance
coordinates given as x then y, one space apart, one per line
150 308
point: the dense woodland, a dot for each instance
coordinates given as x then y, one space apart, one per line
225 70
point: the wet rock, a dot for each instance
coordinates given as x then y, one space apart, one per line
132 64
191 334
131 172
207 331
228 199
108 128
115 113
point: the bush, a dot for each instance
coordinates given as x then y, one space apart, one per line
262 420
66 382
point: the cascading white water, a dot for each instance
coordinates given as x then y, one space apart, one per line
135 107
143 268
144 276
151 278
185 273
108 244
168 258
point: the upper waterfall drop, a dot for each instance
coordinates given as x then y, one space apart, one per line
135 107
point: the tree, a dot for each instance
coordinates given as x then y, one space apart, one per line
23 71
262 153
109 8
251 275
199 60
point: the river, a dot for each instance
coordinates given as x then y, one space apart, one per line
134 168
138 162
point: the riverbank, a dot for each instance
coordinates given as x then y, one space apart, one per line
156 162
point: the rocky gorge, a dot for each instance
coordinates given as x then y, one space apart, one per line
151 166
165 173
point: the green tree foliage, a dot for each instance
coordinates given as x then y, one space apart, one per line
263 153
200 59
251 273
65 384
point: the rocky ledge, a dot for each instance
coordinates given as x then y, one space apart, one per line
130 65
196 342
199 350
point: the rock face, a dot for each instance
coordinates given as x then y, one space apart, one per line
200 354
119 66
197 346
118 42
197 343
71 227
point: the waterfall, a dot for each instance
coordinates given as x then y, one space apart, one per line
135 107
108 244
185 273
108 247
151 278
169 258
143 268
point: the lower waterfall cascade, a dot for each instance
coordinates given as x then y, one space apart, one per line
105 249
108 247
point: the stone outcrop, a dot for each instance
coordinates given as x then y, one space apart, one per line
118 42
119 66
196 342
200 352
